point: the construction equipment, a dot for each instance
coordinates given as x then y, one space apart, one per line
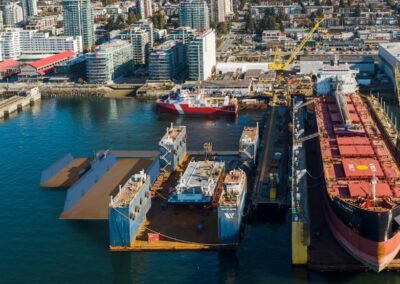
278 63
397 82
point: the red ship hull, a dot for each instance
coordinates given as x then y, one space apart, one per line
375 255
185 109
364 218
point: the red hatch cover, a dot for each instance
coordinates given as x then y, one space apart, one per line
356 150
361 168
362 189
352 141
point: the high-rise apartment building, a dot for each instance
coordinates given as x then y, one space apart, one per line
15 42
145 8
140 45
108 62
147 26
217 11
78 21
167 61
201 55
182 33
29 8
9 45
194 13
12 14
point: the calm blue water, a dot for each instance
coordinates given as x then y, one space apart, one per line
37 247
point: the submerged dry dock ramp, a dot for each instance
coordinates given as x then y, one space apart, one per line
65 172
89 198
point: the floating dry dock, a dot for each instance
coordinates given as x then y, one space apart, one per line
169 199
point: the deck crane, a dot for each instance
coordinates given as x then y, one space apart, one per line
397 82
278 64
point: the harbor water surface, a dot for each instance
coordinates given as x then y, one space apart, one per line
37 247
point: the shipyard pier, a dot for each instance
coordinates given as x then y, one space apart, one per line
170 199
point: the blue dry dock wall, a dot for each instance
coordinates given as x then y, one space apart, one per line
229 220
55 168
98 168
154 170
124 222
172 154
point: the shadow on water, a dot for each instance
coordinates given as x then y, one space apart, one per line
271 214
96 230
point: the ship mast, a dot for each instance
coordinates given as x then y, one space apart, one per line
374 181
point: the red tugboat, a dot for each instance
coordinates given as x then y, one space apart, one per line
191 103
362 193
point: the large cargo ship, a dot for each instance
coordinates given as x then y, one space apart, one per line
196 103
361 175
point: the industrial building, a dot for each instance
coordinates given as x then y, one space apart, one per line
167 61
201 55
44 66
195 14
108 62
8 68
388 58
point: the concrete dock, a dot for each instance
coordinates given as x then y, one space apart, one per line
15 103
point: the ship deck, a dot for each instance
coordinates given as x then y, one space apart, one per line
352 157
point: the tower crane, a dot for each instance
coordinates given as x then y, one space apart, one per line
278 63
397 82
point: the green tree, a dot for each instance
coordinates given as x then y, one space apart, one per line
329 3
250 24
132 18
357 12
320 13
317 2
222 28
158 20
341 4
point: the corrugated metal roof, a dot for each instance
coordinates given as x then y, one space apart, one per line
8 64
52 59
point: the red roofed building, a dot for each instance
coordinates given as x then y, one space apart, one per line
45 65
8 68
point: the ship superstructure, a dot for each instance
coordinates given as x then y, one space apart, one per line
231 205
128 209
337 78
198 183
362 179
172 147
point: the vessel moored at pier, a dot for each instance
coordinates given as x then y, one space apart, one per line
361 176
185 102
